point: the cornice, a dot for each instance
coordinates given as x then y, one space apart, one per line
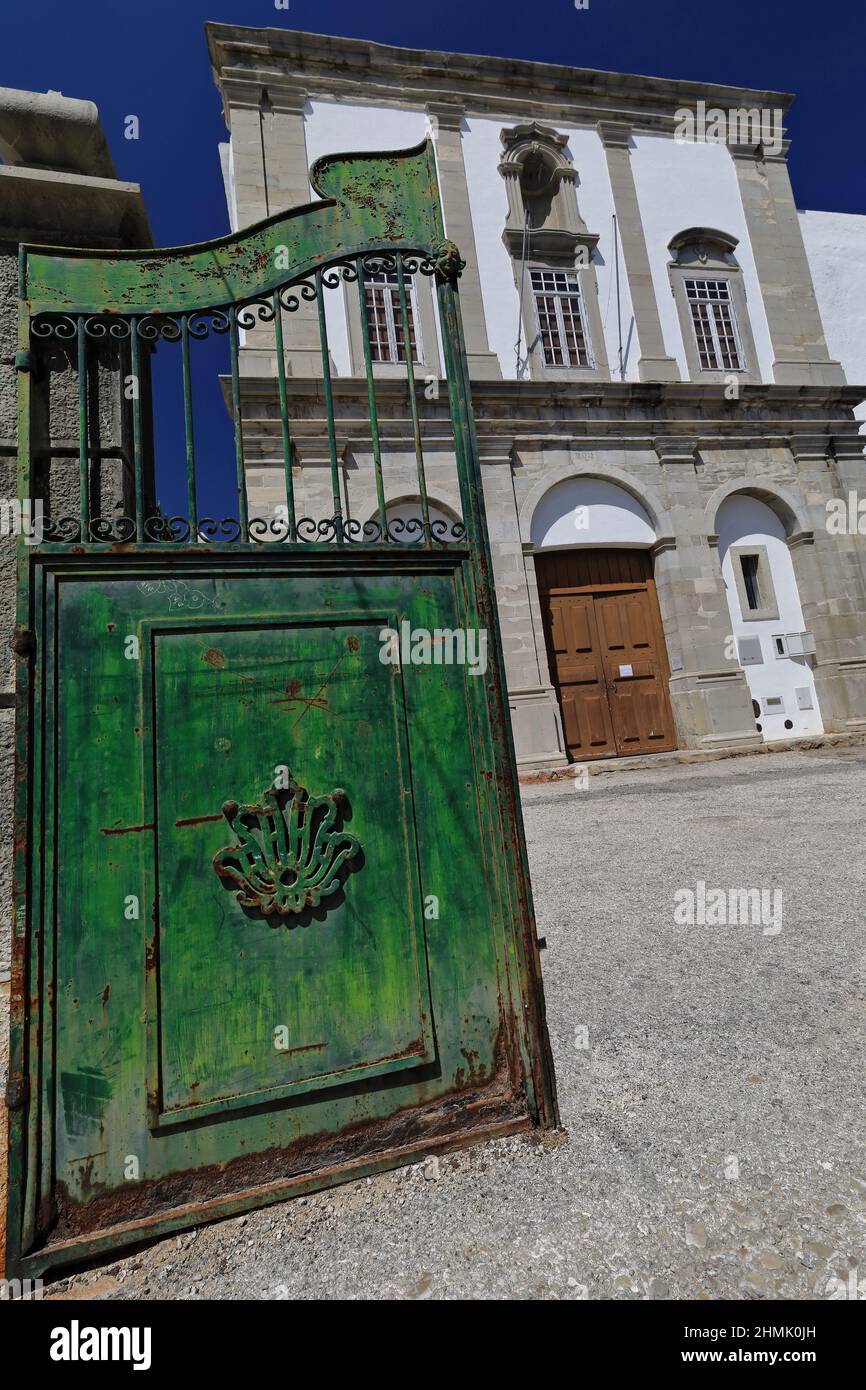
539 416
756 151
514 89
800 403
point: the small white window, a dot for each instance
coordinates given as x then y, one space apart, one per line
560 318
384 320
749 564
780 645
715 325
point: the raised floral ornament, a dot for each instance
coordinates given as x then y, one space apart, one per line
290 850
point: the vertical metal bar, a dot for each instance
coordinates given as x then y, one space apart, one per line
284 414
83 490
243 508
26 982
137 465
329 408
413 400
480 572
192 513
371 399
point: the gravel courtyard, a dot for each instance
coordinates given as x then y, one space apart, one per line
711 1078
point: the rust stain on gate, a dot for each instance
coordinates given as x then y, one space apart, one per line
358 984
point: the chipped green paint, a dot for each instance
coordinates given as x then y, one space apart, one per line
383 202
179 1051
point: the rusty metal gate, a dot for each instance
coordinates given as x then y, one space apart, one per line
273 922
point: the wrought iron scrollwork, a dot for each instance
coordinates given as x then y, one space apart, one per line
160 529
107 327
255 311
290 296
62 530
111 529
144 332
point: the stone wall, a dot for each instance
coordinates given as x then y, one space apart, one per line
82 205
679 456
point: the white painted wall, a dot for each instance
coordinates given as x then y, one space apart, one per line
743 520
335 127
488 203
227 165
332 127
836 248
680 185
589 512
482 152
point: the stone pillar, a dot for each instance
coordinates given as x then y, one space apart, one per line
244 119
829 569
709 695
269 158
796 331
654 364
531 698
446 119
59 186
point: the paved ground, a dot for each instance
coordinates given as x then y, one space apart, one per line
715 1119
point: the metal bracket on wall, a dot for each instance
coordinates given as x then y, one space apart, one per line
27 361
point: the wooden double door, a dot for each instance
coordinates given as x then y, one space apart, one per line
606 651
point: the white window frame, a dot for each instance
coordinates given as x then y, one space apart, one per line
571 290
718 365
387 280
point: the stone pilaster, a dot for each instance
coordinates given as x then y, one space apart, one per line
269 156
709 695
796 332
532 699
446 119
244 119
654 364
830 567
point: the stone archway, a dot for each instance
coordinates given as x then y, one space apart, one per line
591 543
766 613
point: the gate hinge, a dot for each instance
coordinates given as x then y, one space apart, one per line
17 1092
23 641
25 361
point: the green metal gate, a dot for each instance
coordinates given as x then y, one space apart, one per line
273 921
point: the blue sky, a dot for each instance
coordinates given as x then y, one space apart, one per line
149 58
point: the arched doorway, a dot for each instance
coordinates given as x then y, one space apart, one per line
603 633
767 617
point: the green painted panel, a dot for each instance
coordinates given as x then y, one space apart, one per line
251 1004
265 667
371 200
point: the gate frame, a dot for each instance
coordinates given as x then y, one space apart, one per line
496 782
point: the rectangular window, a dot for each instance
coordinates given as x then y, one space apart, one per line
384 320
560 318
750 580
715 326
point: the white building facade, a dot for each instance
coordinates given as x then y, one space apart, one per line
663 414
